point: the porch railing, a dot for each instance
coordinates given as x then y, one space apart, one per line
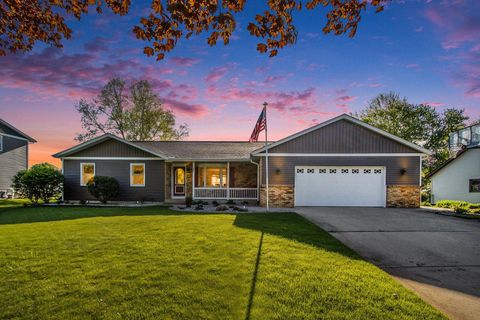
225 193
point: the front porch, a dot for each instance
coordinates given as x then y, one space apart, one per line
219 180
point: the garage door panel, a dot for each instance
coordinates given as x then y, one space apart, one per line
339 186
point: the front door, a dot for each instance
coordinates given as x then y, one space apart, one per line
179 181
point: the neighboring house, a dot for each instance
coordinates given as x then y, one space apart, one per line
13 155
459 177
341 162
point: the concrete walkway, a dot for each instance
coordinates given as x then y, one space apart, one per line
436 256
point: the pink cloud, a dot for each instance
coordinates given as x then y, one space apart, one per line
191 110
347 98
433 104
216 74
53 74
184 61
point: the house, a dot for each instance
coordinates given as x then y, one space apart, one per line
341 162
13 155
459 177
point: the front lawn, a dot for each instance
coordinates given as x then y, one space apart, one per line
153 263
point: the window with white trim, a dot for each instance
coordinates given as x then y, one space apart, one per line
137 174
87 172
210 175
1 143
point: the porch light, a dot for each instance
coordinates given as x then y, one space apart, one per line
403 171
277 171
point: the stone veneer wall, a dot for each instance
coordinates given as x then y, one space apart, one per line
188 180
403 196
280 196
168 181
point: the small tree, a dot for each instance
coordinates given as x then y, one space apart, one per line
103 188
41 182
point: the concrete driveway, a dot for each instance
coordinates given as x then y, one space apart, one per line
436 256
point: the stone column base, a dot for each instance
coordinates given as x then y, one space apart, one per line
399 196
280 196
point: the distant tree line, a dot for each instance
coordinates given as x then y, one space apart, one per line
418 123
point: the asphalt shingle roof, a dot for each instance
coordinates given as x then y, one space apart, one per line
202 150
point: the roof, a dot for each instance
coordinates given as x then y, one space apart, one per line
446 163
202 150
353 120
178 150
97 140
17 131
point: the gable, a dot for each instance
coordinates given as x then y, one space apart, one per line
111 148
8 129
342 136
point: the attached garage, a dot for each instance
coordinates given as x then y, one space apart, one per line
341 162
340 186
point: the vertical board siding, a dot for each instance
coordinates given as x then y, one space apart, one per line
13 158
281 169
342 137
111 148
154 189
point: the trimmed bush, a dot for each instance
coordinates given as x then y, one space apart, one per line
103 188
42 181
459 206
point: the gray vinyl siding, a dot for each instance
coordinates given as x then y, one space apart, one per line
154 189
13 158
281 169
342 137
111 148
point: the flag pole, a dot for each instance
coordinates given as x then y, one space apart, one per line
266 152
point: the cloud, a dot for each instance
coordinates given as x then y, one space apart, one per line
51 73
184 61
347 98
414 66
216 74
458 22
192 110
433 104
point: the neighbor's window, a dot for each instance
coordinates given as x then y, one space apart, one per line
474 185
137 174
87 173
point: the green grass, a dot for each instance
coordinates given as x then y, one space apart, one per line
153 263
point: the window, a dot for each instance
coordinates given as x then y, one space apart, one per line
310 170
1 143
332 171
137 174
322 171
212 175
474 185
367 171
87 171
377 171
344 170
299 170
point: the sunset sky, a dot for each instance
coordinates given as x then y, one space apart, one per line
428 51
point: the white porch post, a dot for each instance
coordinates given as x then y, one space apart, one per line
193 179
228 180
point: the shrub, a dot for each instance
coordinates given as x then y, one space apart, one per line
230 202
103 188
460 209
222 208
450 204
42 181
188 201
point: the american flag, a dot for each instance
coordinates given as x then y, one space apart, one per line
259 126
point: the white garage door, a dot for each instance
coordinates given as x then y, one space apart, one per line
340 186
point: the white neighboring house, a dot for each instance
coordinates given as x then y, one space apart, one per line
458 178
